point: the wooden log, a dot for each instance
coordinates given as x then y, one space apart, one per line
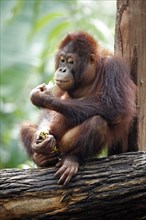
107 188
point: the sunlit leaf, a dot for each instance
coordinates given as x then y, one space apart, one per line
37 5
58 29
44 21
15 10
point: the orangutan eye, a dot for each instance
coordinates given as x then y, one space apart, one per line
70 60
62 59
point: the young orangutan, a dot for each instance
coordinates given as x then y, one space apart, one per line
91 106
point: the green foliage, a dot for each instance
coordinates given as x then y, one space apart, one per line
30 32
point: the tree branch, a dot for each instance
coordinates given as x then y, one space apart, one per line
107 188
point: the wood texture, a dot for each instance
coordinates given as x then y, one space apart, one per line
130 42
107 188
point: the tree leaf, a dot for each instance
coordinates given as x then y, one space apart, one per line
44 21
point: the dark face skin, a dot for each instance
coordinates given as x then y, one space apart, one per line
63 76
69 69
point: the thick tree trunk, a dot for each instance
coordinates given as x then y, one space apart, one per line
108 188
130 42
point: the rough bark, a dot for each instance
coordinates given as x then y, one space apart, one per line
130 42
107 188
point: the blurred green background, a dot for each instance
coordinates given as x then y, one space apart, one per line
30 32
